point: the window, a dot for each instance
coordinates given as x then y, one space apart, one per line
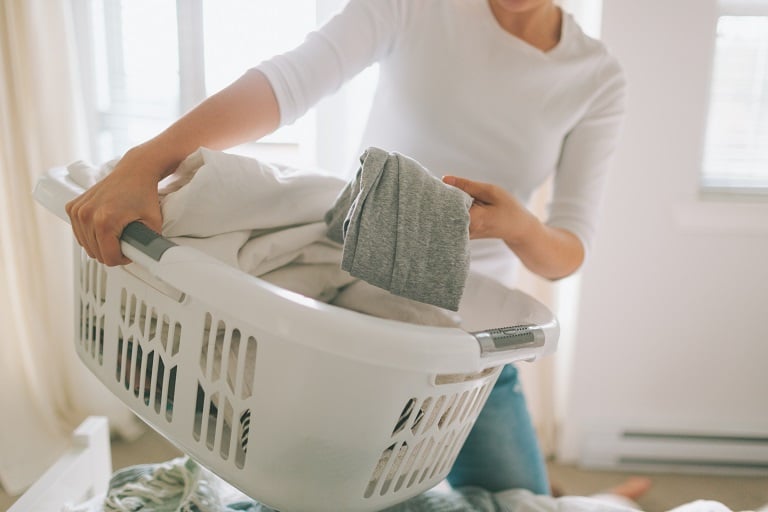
736 151
145 62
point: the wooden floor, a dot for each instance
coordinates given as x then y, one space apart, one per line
669 490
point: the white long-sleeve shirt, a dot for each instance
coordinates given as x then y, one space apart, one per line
463 96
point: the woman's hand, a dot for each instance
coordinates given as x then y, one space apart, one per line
548 251
245 110
100 214
495 213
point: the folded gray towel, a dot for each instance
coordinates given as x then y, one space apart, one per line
403 230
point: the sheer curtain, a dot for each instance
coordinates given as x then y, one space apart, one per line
44 391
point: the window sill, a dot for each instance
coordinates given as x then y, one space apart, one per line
723 214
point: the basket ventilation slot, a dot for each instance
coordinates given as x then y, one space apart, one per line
93 288
148 342
427 437
227 363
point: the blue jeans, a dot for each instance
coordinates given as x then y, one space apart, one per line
502 451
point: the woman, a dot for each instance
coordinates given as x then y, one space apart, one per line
504 93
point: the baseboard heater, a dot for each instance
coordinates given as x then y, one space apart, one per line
642 450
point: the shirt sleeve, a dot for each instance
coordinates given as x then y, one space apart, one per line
361 34
585 157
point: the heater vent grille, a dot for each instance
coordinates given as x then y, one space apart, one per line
699 452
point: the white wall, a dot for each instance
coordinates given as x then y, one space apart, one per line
672 330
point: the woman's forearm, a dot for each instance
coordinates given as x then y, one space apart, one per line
552 253
245 110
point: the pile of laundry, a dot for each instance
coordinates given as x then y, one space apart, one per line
392 242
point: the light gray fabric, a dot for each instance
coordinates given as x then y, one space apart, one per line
403 229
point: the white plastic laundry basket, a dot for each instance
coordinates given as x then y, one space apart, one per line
301 405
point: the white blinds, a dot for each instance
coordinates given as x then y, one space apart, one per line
736 152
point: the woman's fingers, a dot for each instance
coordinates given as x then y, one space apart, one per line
481 221
483 192
98 230
77 215
101 213
107 230
481 213
496 213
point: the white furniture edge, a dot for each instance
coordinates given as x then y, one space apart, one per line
79 474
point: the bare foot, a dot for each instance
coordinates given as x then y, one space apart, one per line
632 488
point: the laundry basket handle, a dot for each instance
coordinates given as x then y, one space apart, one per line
140 244
145 240
513 337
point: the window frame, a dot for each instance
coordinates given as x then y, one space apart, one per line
191 84
730 193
